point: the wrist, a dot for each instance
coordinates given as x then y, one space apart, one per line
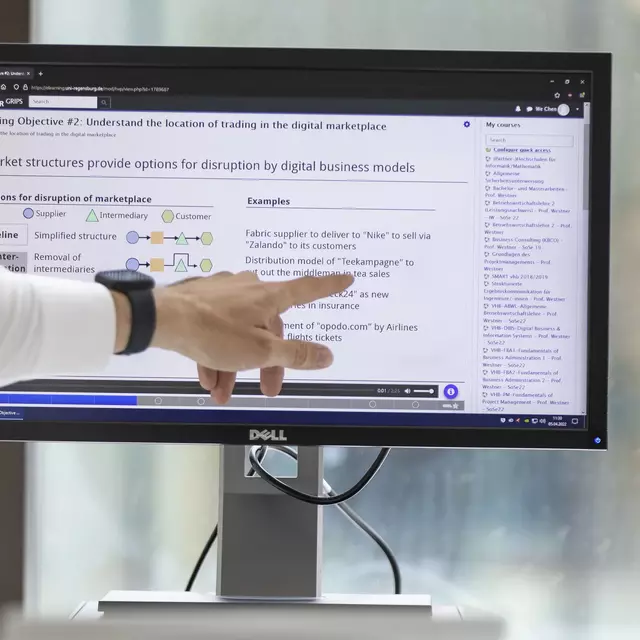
169 312
123 321
169 325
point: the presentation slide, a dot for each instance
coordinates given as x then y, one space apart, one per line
465 236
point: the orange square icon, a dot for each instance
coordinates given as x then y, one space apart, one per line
157 264
157 237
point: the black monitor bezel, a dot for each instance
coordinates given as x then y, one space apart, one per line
598 65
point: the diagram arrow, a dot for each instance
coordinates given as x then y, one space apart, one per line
144 264
192 237
146 237
171 237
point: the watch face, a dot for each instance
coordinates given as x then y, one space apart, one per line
125 280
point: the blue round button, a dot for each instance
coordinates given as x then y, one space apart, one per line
597 440
451 392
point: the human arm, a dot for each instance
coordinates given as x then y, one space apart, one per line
51 326
226 323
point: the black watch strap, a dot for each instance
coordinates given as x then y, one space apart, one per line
143 321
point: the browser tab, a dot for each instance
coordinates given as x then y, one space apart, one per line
16 73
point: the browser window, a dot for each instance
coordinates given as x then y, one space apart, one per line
461 209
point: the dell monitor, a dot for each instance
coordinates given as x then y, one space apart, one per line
468 193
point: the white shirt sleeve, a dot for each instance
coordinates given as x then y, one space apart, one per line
51 326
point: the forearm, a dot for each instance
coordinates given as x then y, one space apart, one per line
50 326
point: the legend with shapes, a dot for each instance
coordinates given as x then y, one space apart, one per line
181 262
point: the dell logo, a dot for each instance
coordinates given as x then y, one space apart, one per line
267 435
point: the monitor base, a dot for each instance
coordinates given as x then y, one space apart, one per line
118 602
335 617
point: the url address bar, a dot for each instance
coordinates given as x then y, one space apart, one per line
63 102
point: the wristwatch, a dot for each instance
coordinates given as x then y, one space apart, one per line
138 288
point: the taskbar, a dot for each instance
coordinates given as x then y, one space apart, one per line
271 418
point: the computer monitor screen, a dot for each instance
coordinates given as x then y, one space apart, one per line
468 194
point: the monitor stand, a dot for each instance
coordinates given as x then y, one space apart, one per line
269 549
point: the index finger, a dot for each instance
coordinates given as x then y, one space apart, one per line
309 289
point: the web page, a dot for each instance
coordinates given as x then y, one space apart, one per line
467 237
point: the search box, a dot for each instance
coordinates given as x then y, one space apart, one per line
516 140
63 102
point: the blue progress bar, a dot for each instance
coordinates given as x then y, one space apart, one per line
73 400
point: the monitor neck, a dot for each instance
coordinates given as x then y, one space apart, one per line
270 545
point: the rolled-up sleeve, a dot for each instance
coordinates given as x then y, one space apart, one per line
51 326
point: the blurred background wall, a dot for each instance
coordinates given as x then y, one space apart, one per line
15 21
549 539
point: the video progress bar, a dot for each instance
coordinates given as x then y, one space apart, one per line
327 389
242 402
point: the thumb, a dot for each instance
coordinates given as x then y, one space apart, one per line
299 354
